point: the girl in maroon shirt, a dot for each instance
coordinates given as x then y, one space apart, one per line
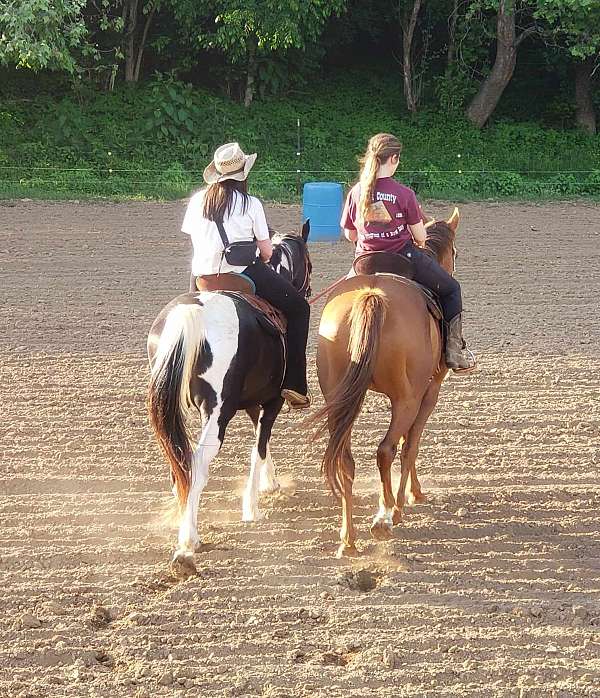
382 215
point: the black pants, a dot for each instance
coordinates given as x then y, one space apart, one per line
280 293
430 273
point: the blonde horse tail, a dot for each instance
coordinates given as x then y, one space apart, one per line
169 398
345 402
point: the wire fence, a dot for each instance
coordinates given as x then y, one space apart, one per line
173 181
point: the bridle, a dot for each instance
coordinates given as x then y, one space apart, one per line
283 245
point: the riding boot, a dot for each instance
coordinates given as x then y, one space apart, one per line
458 357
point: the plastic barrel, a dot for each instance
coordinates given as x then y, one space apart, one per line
322 203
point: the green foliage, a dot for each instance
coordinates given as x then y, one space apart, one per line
40 34
104 146
574 22
453 89
174 116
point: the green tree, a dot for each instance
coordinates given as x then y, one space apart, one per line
246 30
42 34
508 40
575 26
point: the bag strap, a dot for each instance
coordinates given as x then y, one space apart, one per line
222 233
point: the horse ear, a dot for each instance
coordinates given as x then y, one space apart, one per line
453 220
306 230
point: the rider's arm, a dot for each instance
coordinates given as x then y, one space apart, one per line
418 232
265 247
260 229
347 221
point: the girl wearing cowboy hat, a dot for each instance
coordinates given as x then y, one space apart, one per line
226 201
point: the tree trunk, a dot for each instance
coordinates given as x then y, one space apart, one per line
130 15
452 21
408 32
486 100
585 114
142 46
251 75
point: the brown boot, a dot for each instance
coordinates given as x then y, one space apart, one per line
458 357
295 400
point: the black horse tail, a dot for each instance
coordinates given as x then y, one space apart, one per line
169 395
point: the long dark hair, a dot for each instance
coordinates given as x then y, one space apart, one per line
220 198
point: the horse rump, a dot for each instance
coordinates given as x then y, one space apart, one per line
345 401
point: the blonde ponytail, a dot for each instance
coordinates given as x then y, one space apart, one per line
381 147
368 177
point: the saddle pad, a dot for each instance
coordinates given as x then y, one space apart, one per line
275 318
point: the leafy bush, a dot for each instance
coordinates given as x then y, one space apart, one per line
155 140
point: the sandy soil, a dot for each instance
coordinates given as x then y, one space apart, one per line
491 589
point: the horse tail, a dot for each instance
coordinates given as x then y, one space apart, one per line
169 396
345 402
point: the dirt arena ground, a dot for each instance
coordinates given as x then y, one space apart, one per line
490 589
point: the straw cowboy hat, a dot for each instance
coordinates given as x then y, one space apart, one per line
229 162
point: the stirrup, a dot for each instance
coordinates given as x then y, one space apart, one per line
295 400
467 369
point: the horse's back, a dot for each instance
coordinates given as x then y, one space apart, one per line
409 342
220 309
231 332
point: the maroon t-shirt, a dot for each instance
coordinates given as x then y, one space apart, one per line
400 202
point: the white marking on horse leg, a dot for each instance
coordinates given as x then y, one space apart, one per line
383 517
205 452
268 480
250 511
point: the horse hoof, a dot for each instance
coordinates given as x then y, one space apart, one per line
346 551
397 516
270 488
381 531
183 565
417 498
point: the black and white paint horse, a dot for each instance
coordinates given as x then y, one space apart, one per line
208 353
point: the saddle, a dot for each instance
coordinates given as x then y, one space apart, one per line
242 288
392 264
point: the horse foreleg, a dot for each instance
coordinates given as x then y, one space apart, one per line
262 472
268 480
403 415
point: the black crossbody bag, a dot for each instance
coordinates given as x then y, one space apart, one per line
238 254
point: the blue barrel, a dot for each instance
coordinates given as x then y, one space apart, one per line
322 202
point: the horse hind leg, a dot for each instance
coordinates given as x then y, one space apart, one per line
188 540
409 487
403 416
268 482
261 464
347 531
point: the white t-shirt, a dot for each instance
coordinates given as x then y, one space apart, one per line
207 243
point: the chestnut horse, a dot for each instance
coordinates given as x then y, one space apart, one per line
377 334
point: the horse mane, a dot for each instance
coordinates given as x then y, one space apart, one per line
440 238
